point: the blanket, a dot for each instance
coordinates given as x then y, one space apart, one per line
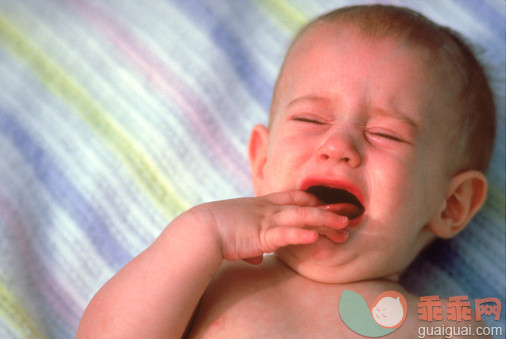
116 116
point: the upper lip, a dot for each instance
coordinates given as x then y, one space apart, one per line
333 183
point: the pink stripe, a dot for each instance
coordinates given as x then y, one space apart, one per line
168 83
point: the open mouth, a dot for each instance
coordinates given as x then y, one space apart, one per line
338 200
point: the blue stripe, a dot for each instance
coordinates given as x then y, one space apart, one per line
442 254
238 56
64 193
486 14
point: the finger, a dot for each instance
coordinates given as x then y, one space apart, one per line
300 216
337 236
283 236
299 198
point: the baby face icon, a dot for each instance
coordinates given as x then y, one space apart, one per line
389 309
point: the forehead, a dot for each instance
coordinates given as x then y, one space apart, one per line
339 62
329 50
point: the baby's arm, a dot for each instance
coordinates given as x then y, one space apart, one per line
156 293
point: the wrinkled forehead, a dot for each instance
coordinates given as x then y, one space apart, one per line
440 75
435 58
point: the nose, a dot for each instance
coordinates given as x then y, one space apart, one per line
340 146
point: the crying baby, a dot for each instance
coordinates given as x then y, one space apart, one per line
374 148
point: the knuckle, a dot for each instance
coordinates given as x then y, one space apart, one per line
302 212
296 195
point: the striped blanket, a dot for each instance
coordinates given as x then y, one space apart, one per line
117 115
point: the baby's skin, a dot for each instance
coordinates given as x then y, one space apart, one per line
181 284
353 179
273 301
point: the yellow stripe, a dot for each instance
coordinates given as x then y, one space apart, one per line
285 14
15 316
139 163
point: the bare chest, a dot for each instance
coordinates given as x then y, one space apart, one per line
260 302
274 302
268 313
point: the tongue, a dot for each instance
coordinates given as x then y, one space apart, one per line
348 210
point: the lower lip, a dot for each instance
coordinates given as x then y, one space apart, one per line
354 222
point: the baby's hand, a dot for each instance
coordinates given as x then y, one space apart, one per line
246 228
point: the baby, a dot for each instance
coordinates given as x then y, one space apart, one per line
381 127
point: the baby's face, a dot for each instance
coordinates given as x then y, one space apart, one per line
361 115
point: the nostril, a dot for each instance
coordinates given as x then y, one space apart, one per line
325 156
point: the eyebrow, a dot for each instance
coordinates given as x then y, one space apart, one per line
311 98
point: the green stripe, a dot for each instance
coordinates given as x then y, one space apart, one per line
285 14
15 316
138 162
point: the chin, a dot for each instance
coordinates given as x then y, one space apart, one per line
319 262
322 262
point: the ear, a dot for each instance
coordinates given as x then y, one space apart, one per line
257 153
466 194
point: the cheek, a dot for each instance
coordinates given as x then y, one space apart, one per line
391 177
433 179
397 193
285 158
408 188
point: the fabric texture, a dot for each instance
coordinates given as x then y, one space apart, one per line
115 116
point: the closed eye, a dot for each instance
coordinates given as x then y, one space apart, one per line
385 135
308 120
388 136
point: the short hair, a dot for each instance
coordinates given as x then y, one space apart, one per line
475 100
